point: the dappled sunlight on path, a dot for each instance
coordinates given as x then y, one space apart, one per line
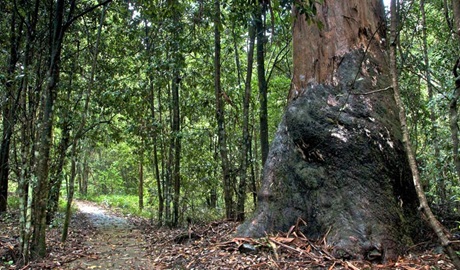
113 244
101 218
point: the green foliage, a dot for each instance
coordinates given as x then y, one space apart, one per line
13 202
431 139
128 83
127 204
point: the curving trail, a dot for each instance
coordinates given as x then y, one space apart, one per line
114 243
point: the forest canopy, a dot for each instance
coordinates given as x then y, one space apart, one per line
177 102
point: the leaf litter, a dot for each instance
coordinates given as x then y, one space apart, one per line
110 241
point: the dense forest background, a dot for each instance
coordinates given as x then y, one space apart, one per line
173 104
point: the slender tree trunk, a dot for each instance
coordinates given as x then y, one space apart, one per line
25 184
164 174
155 150
263 111
255 166
84 174
29 105
70 190
246 143
253 175
161 202
61 155
169 167
434 223
446 13
38 247
56 176
176 145
227 185
174 178
4 157
141 180
453 110
9 114
80 131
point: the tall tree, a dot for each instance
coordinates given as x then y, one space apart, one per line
453 110
223 150
141 178
45 124
61 18
337 161
175 123
260 13
246 142
9 107
82 128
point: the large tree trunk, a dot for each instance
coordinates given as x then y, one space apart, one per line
337 160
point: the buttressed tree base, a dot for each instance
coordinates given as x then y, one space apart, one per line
337 160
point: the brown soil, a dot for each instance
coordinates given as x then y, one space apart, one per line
114 243
103 239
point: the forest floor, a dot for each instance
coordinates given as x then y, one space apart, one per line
100 238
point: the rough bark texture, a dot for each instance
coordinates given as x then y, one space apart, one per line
337 160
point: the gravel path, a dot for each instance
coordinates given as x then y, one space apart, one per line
114 244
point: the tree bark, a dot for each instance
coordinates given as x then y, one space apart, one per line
29 104
227 185
176 145
9 114
453 110
38 247
454 129
141 180
84 173
246 143
57 166
155 152
337 160
263 111
56 175
70 190
58 28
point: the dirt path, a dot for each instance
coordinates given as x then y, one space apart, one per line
114 244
